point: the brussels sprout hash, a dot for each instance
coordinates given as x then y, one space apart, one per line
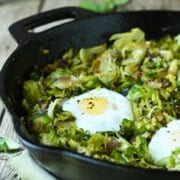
146 72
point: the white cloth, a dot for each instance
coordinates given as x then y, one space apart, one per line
26 169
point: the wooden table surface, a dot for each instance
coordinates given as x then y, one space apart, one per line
13 10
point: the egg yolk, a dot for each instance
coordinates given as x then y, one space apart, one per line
94 105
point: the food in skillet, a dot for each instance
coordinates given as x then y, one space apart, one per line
117 102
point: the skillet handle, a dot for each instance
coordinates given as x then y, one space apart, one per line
21 29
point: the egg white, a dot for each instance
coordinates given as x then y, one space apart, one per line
110 119
165 141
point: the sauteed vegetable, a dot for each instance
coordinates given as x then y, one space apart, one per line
117 102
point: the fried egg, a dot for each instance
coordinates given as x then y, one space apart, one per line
99 110
165 141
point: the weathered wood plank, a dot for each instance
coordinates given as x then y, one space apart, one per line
10 13
152 4
132 5
59 3
7 129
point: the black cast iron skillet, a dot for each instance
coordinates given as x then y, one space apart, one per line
87 29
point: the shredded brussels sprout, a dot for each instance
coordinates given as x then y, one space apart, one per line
146 71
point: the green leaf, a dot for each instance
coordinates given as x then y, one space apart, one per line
90 6
96 7
8 145
117 2
105 6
